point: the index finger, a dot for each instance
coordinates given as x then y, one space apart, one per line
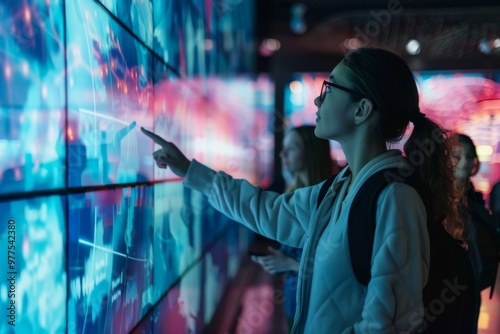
157 139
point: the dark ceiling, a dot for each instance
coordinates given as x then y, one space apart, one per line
449 31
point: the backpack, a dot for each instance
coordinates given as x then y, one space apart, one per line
450 297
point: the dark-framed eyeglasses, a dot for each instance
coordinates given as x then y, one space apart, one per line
327 84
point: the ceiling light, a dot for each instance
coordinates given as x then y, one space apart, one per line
413 47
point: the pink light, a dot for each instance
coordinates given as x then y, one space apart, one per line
27 14
25 68
7 71
71 135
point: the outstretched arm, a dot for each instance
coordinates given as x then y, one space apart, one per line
280 217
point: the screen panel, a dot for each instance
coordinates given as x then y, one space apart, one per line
189 305
32 98
110 263
179 34
176 236
222 122
109 98
180 310
137 15
33 282
221 264
200 38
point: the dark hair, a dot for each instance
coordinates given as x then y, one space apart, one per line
317 158
467 141
385 79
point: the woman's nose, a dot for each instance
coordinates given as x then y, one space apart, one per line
317 101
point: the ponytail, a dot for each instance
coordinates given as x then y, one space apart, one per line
430 151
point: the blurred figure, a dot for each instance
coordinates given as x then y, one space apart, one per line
480 230
495 204
305 161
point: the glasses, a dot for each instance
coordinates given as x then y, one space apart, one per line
327 84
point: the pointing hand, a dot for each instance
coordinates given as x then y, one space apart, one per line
169 155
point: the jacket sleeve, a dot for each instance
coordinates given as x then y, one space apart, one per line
400 264
284 218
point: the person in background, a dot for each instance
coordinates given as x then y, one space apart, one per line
306 159
479 220
368 102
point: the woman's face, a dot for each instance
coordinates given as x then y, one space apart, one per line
334 117
292 153
464 161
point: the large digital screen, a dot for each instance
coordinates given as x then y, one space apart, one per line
104 241
33 276
32 97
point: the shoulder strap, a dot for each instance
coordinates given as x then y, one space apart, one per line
324 190
362 221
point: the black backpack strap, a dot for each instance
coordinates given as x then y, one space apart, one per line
324 190
449 265
362 221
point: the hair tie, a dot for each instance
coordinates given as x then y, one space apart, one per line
417 117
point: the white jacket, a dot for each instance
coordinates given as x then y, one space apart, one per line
329 299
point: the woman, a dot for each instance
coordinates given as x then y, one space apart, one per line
368 102
480 228
307 159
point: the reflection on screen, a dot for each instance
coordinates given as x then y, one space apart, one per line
109 259
38 273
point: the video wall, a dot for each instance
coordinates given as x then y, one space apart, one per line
96 238
462 101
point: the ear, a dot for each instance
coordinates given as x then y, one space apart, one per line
475 166
363 111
